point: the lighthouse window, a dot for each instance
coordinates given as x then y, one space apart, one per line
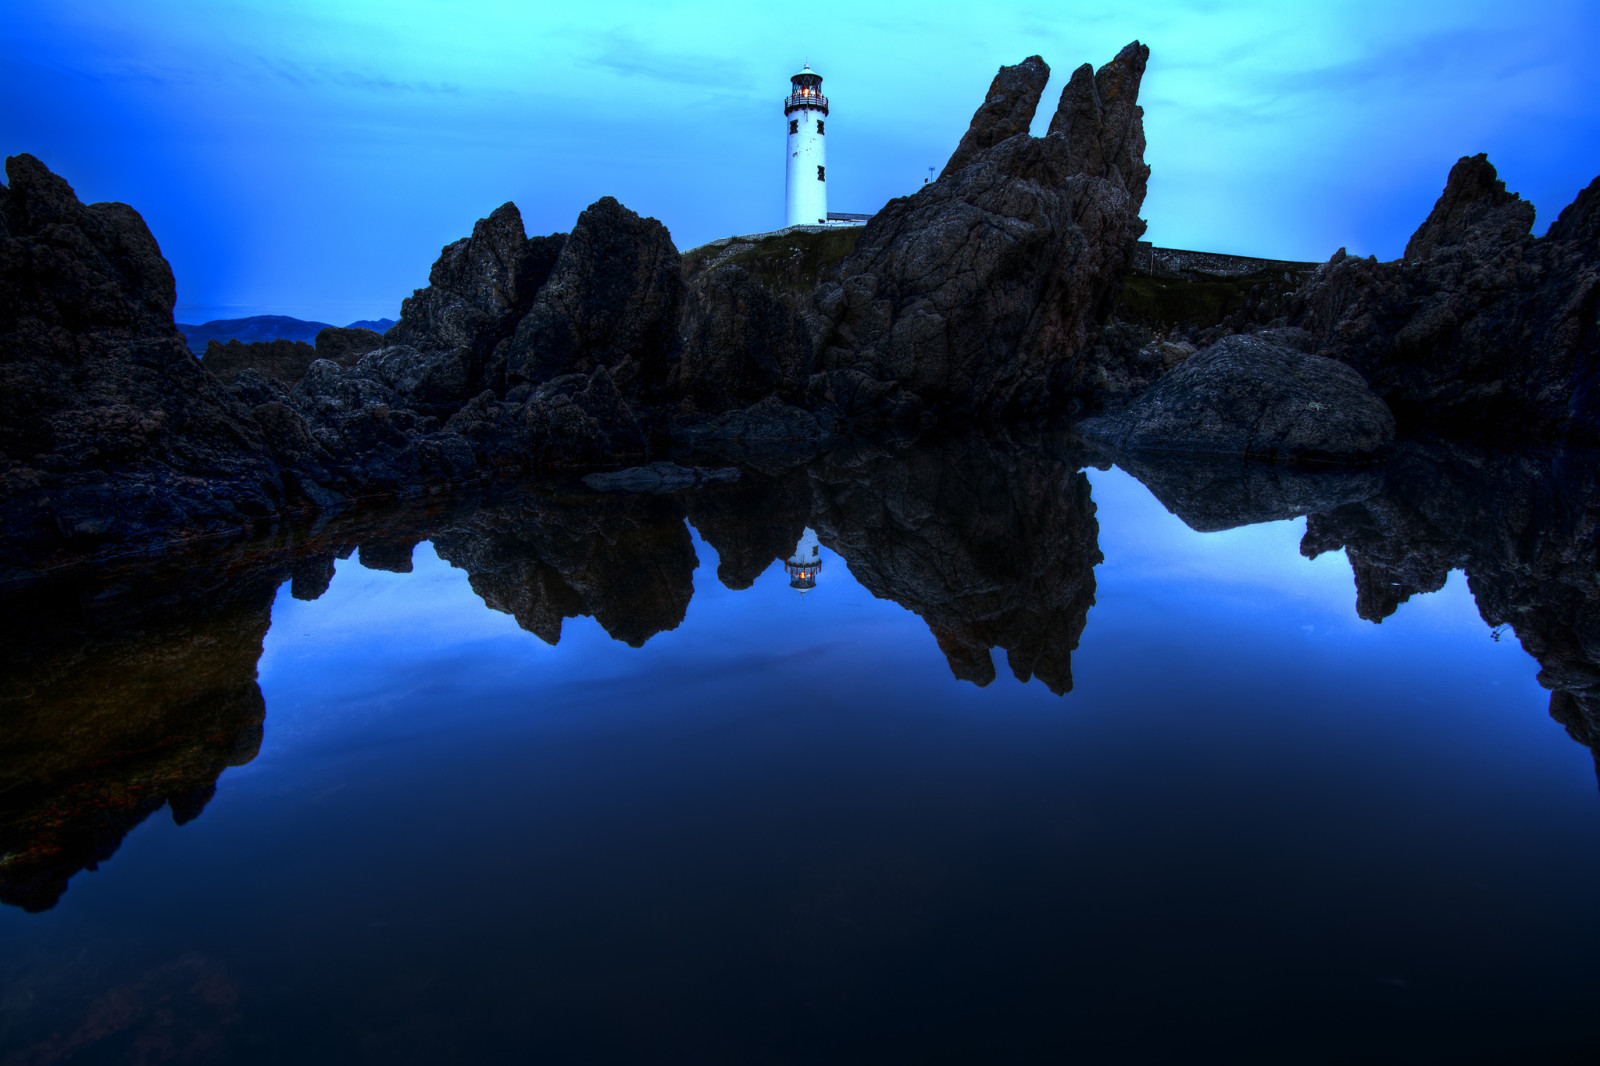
819 127
822 173
794 125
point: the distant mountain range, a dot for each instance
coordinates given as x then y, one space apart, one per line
266 328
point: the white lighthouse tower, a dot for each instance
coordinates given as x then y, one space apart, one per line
805 198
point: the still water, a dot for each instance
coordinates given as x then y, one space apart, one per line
1039 770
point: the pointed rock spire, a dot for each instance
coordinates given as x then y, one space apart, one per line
1006 111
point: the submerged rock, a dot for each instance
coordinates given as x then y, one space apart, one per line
1246 396
658 477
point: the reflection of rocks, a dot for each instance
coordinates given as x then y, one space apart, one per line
752 522
131 687
991 548
113 704
627 560
1216 494
1526 529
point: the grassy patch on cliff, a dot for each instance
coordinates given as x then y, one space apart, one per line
791 262
1198 302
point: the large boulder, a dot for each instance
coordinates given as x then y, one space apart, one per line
1246 396
978 293
110 430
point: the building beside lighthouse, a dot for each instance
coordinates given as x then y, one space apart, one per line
805 195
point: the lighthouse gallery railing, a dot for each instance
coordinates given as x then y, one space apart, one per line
800 100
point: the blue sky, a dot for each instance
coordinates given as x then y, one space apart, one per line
311 158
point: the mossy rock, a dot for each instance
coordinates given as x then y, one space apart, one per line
788 262
1200 302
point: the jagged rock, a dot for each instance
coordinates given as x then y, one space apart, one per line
1245 396
478 290
282 359
1474 206
345 345
1006 111
659 477
770 421
1100 117
1579 221
434 382
380 443
110 430
978 293
1481 330
611 301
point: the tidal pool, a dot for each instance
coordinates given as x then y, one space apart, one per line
1036 771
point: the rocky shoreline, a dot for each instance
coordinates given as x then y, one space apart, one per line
997 295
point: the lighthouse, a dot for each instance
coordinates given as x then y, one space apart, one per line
805 199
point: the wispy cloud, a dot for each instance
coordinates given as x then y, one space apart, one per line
625 55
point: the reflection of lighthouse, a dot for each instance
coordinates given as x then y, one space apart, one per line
805 562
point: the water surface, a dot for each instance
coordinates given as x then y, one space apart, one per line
1037 771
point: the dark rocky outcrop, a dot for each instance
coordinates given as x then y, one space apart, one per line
611 301
1006 111
1251 397
285 360
1482 330
977 295
111 433
346 344
478 290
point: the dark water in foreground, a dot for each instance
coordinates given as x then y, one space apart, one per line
753 826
